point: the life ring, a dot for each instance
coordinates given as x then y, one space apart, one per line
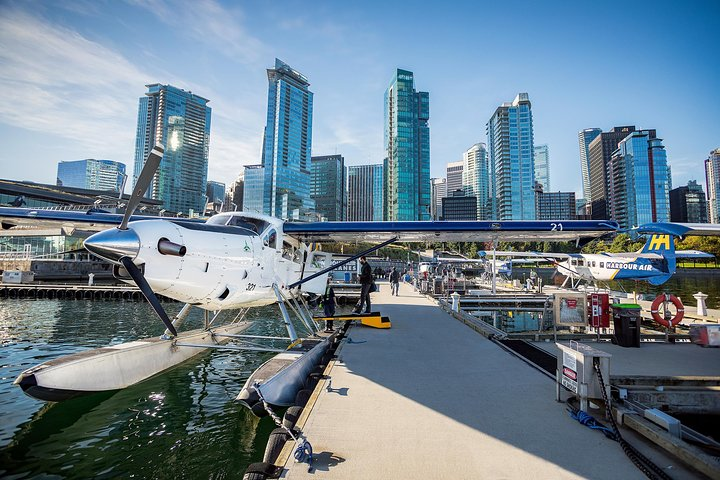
661 319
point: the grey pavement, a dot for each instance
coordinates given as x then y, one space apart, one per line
430 398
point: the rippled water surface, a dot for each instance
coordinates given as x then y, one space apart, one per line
183 423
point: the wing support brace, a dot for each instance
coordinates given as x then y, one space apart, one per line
339 264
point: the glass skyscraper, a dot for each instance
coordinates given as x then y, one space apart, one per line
688 204
712 179
253 188
584 138
287 144
454 175
542 166
180 121
476 179
640 181
407 149
512 164
91 174
328 186
365 193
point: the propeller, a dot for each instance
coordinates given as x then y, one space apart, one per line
121 245
147 292
148 172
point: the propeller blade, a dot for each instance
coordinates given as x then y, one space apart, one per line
137 276
148 172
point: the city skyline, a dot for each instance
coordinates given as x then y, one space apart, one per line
75 70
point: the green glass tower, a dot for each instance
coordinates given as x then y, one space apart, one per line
407 150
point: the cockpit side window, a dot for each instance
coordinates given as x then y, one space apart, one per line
270 239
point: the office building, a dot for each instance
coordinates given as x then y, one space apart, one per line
287 144
476 179
92 174
180 121
600 149
712 179
438 190
584 138
215 197
234 195
407 150
542 166
253 189
639 186
327 187
459 206
556 205
365 193
454 176
512 164
688 204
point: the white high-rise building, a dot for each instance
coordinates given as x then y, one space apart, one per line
438 191
584 138
712 177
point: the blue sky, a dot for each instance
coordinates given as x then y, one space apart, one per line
71 73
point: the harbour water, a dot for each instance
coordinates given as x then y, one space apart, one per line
183 423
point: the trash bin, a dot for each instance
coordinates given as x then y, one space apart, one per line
626 321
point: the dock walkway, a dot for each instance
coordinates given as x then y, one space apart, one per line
431 399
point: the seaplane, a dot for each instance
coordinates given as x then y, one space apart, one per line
232 261
654 263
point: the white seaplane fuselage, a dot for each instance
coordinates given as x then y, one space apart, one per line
233 261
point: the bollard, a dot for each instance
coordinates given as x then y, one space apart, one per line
455 301
91 276
701 307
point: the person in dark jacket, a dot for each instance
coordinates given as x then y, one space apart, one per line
366 280
394 282
329 305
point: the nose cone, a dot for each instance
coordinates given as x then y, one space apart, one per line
114 244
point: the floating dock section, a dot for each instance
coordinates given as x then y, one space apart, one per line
430 398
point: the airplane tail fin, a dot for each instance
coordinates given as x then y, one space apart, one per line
665 246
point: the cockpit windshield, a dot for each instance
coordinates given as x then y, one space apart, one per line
253 224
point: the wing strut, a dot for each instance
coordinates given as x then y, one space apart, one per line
348 260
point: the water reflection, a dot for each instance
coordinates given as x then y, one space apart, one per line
184 420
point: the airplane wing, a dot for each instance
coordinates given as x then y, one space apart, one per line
681 229
527 255
449 231
70 220
693 254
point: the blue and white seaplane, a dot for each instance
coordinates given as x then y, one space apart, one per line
655 263
233 261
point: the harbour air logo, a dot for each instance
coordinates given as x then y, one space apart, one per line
628 266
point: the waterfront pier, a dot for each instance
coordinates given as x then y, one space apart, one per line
431 398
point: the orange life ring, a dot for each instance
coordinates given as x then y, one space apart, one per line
661 319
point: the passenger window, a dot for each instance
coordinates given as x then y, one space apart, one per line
602 264
288 251
271 239
593 263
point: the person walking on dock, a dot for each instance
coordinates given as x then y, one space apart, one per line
329 306
394 281
366 281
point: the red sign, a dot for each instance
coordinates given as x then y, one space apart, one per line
571 374
571 302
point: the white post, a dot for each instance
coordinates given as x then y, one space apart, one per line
92 275
494 280
701 307
455 301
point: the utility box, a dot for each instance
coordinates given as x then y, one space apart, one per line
17 276
570 309
626 322
599 310
576 372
